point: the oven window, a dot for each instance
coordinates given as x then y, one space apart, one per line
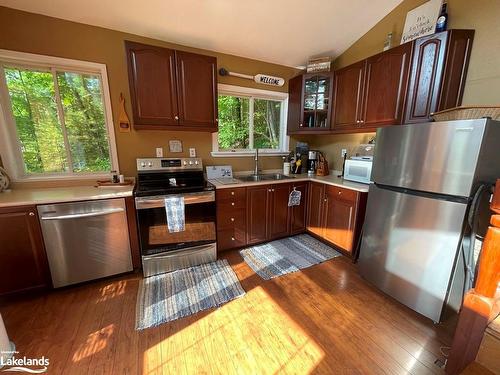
154 234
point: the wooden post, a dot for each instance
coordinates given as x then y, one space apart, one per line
479 302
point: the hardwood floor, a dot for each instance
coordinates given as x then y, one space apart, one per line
324 319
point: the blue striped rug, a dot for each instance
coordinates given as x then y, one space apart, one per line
170 296
287 255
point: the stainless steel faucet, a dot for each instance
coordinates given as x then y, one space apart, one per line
256 171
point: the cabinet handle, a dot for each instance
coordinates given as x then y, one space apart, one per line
361 121
216 120
232 219
232 193
324 200
301 125
232 238
340 192
232 203
31 214
176 117
272 190
269 190
357 121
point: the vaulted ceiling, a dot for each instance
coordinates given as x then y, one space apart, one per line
285 32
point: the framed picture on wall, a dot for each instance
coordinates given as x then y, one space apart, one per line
421 20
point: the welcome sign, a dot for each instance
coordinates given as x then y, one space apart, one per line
421 21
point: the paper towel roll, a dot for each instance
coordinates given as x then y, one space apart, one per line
6 347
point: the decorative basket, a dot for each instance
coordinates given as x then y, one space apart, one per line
467 113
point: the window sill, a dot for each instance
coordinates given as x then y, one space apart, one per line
60 178
239 154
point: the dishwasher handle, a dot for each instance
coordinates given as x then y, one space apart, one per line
83 215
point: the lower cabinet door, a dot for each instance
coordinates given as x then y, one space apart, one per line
340 217
298 213
23 262
279 213
315 210
257 213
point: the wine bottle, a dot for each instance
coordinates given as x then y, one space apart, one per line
442 20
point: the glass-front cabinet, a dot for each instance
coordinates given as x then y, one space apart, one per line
310 103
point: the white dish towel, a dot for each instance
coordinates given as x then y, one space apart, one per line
174 207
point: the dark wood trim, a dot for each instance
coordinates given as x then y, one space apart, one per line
208 129
133 232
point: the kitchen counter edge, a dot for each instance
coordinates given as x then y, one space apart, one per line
329 180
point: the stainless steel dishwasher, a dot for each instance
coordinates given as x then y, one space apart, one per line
85 240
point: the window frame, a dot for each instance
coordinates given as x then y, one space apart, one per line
252 93
10 147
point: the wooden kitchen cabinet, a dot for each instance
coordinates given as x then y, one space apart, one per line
348 93
310 103
315 208
336 215
339 217
23 262
172 90
231 218
385 87
438 73
258 198
298 213
197 90
279 212
152 80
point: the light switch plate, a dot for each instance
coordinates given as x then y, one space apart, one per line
343 152
192 152
159 152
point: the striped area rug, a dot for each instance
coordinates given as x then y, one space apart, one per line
170 296
287 255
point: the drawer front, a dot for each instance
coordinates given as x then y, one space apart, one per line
231 218
343 194
230 239
231 206
231 195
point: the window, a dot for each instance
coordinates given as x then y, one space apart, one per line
57 117
250 119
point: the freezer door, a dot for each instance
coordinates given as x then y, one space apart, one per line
409 247
439 157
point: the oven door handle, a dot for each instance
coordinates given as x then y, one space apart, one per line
173 253
142 203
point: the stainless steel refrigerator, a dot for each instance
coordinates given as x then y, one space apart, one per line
426 178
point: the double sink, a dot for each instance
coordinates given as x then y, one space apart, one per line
265 177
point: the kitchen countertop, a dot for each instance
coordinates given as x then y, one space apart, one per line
331 179
36 196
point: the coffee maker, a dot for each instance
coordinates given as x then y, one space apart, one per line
312 162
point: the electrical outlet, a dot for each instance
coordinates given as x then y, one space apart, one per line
159 152
343 152
192 152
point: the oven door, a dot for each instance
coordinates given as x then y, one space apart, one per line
199 230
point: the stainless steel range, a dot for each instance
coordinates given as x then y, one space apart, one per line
163 250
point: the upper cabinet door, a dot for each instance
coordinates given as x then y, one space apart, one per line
152 84
426 73
348 93
197 90
455 71
386 82
294 122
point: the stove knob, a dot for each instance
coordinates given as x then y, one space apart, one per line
190 162
196 162
150 164
143 165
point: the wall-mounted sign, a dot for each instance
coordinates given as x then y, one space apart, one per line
421 21
263 79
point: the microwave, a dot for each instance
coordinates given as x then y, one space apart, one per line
358 170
